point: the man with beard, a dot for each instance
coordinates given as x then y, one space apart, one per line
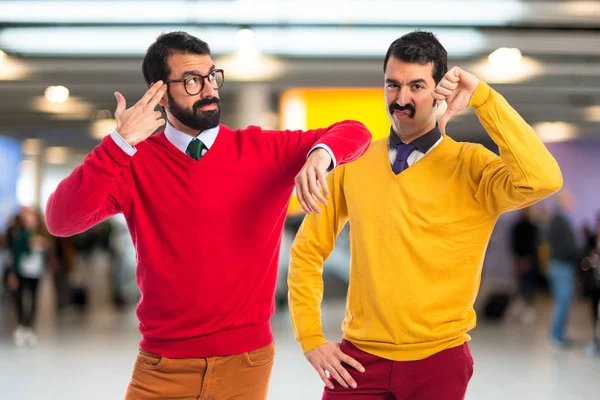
191 194
421 208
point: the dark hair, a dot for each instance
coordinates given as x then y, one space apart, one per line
155 66
422 48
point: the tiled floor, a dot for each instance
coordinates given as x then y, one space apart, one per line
90 357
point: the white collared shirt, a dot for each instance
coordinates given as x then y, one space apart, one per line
415 156
182 140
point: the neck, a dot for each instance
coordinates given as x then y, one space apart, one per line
408 136
181 127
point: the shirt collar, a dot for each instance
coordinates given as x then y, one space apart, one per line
423 143
182 140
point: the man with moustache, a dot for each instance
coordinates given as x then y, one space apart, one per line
190 194
421 209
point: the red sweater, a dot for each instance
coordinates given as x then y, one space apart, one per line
207 233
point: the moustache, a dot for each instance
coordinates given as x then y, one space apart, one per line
408 107
205 102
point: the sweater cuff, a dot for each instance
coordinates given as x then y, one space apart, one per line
482 94
123 143
311 343
114 151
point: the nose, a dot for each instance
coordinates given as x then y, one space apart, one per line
403 96
208 90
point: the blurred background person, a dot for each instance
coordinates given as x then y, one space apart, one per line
525 244
29 245
565 256
64 257
591 284
541 218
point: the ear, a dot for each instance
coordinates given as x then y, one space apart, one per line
164 101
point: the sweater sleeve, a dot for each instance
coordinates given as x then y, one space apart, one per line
91 193
347 140
313 244
525 172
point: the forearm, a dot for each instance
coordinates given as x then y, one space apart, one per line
532 172
305 282
347 140
84 198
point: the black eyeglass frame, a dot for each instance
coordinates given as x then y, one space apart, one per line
202 78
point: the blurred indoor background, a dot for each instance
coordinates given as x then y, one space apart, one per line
292 64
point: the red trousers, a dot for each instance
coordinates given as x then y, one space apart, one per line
443 376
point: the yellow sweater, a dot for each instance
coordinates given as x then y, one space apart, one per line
418 239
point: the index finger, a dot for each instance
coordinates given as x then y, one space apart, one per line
151 92
157 96
346 359
438 96
300 194
308 197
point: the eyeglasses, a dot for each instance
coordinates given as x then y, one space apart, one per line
194 84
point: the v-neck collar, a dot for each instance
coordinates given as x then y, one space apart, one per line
423 143
429 157
182 140
214 152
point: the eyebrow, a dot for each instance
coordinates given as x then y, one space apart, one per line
413 82
196 72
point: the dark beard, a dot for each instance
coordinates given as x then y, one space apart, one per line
195 118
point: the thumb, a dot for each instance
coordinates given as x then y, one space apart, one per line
444 120
121 104
454 74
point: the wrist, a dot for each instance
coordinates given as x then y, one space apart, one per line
480 95
312 343
127 137
323 156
